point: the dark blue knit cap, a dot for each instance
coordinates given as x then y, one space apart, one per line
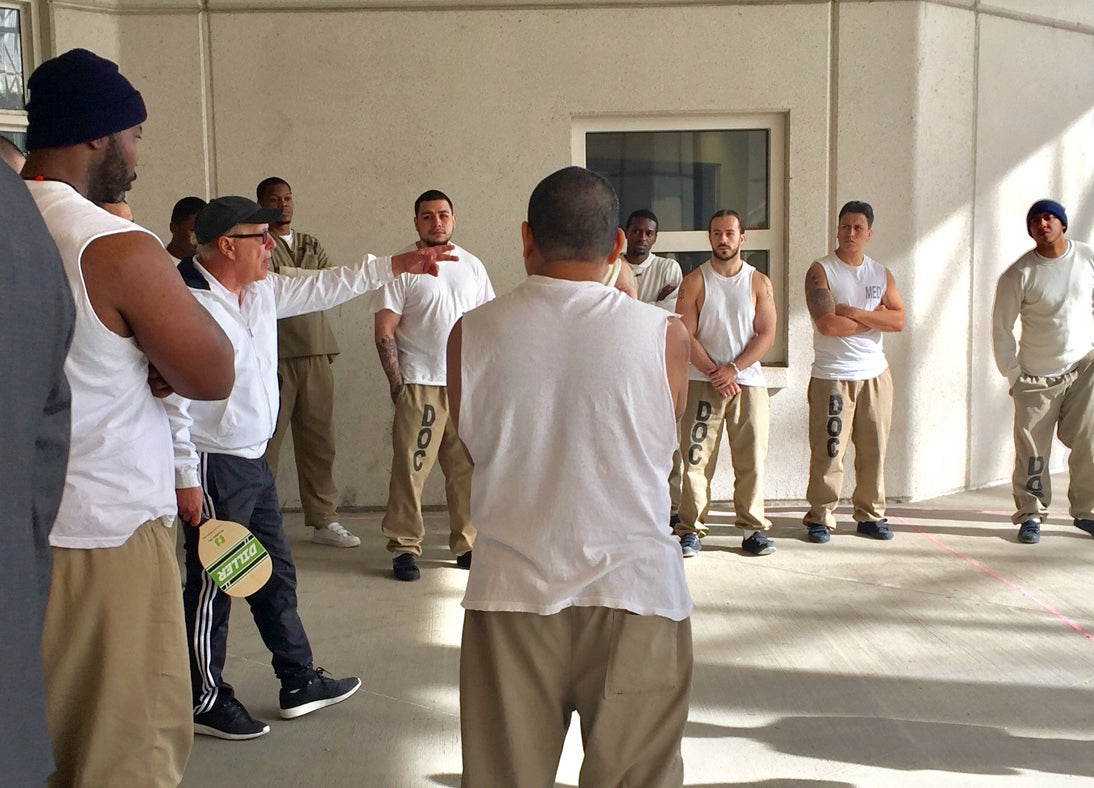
1047 206
77 97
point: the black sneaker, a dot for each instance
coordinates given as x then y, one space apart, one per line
758 544
1030 531
405 567
818 533
464 561
690 545
318 693
229 720
878 529
1086 525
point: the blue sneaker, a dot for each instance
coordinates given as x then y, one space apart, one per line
818 533
758 544
1030 531
878 529
690 545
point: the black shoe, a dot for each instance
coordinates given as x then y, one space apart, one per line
818 533
464 561
405 567
229 720
758 544
673 522
1086 525
318 693
878 529
1030 531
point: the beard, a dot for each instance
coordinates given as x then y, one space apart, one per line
723 255
111 178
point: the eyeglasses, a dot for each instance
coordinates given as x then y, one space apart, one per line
264 235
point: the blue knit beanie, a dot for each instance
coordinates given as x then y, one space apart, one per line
77 97
1047 206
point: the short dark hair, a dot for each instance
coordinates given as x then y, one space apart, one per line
726 212
642 213
572 215
268 184
858 206
187 206
429 195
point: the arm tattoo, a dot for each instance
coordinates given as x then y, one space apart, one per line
389 360
818 298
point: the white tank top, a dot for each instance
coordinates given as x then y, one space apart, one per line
858 357
567 414
727 321
120 460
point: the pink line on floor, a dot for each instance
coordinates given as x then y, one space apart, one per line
1011 585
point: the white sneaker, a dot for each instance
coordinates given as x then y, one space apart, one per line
335 536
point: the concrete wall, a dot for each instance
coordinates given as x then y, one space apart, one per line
931 111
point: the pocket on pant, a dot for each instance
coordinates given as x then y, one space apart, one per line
642 655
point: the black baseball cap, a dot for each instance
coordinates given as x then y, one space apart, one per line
224 213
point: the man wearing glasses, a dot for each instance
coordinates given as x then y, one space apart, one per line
219 446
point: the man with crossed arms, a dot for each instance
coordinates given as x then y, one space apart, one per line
853 301
729 310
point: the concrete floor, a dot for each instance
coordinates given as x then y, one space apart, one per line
951 656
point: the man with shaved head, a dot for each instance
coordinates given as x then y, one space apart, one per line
566 395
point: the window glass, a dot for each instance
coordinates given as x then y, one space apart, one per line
685 176
11 61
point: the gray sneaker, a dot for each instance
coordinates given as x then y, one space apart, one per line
334 535
690 545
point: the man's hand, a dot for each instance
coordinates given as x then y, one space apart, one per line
722 376
396 391
422 261
160 387
189 503
661 296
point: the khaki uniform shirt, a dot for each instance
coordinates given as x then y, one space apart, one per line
310 334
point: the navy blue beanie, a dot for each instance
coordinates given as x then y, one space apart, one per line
1047 206
77 97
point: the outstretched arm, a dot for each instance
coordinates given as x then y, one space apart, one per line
822 306
889 315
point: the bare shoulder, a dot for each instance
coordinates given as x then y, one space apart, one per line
692 283
121 253
815 278
761 285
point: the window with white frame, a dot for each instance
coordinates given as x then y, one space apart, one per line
17 50
686 168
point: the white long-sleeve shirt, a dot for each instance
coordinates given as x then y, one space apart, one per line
242 424
1054 297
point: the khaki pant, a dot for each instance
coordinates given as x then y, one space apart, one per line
114 653
1064 403
859 411
522 675
307 404
746 416
421 435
